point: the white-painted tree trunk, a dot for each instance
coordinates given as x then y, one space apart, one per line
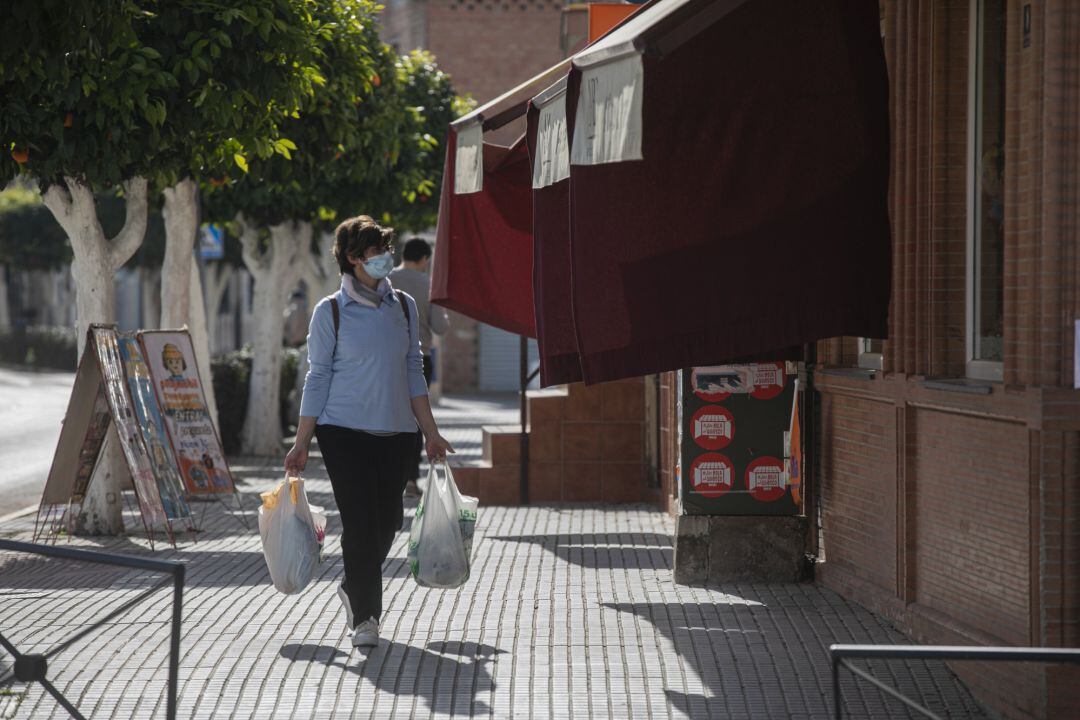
276 268
181 216
181 288
96 260
321 272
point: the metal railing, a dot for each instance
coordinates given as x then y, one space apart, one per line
840 654
34 667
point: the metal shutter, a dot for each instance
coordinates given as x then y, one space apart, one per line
500 354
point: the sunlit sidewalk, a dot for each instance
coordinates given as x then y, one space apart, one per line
570 613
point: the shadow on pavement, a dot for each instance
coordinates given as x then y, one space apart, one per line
610 551
763 650
446 676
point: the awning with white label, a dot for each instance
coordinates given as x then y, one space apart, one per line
483 265
549 150
483 249
728 173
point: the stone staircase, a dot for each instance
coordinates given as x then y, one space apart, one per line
586 444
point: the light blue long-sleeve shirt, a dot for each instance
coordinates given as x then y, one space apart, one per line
367 383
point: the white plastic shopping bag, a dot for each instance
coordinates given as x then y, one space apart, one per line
440 541
292 535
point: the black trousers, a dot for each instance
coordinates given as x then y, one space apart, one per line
412 469
366 474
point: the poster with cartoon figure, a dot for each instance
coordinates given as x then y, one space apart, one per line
170 357
170 486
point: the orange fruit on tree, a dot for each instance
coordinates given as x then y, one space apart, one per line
376 80
69 120
20 155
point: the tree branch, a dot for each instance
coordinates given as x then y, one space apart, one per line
130 237
58 200
256 261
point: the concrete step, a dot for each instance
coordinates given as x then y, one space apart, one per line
502 444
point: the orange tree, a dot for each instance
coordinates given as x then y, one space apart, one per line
349 123
113 95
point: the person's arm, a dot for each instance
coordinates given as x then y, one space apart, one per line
296 460
316 385
436 444
438 320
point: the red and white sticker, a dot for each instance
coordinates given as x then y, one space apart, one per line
765 479
713 427
768 380
711 475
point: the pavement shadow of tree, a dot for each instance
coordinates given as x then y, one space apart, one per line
406 671
610 551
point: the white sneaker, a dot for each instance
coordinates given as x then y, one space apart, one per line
348 605
366 634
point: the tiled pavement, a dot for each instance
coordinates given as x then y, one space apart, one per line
570 613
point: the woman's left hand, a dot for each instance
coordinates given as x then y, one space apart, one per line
437 447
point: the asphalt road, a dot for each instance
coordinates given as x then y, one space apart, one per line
32 406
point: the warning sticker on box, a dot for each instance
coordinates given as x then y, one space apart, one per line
765 479
713 427
711 475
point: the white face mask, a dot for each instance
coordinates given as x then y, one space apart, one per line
379 266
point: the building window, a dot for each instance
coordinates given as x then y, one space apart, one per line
870 354
986 216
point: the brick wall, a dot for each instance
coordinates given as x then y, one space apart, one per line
859 505
404 25
956 514
970 513
489 46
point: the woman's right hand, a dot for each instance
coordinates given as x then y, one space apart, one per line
296 460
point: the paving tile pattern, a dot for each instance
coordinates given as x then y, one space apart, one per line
570 613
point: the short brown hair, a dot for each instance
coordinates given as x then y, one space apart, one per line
354 236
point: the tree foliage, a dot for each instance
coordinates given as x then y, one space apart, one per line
81 92
239 69
335 123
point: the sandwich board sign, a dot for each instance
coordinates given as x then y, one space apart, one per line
116 389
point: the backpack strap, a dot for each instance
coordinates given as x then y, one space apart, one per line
337 322
404 309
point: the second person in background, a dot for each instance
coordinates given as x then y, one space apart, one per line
412 277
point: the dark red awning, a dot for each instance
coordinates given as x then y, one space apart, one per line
756 215
483 259
552 288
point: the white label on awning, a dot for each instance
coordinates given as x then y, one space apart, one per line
607 126
469 160
552 145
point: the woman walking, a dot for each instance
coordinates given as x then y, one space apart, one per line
364 397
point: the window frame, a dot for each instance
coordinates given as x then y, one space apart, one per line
976 368
867 359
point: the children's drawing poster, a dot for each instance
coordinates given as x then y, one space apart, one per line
154 436
170 357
